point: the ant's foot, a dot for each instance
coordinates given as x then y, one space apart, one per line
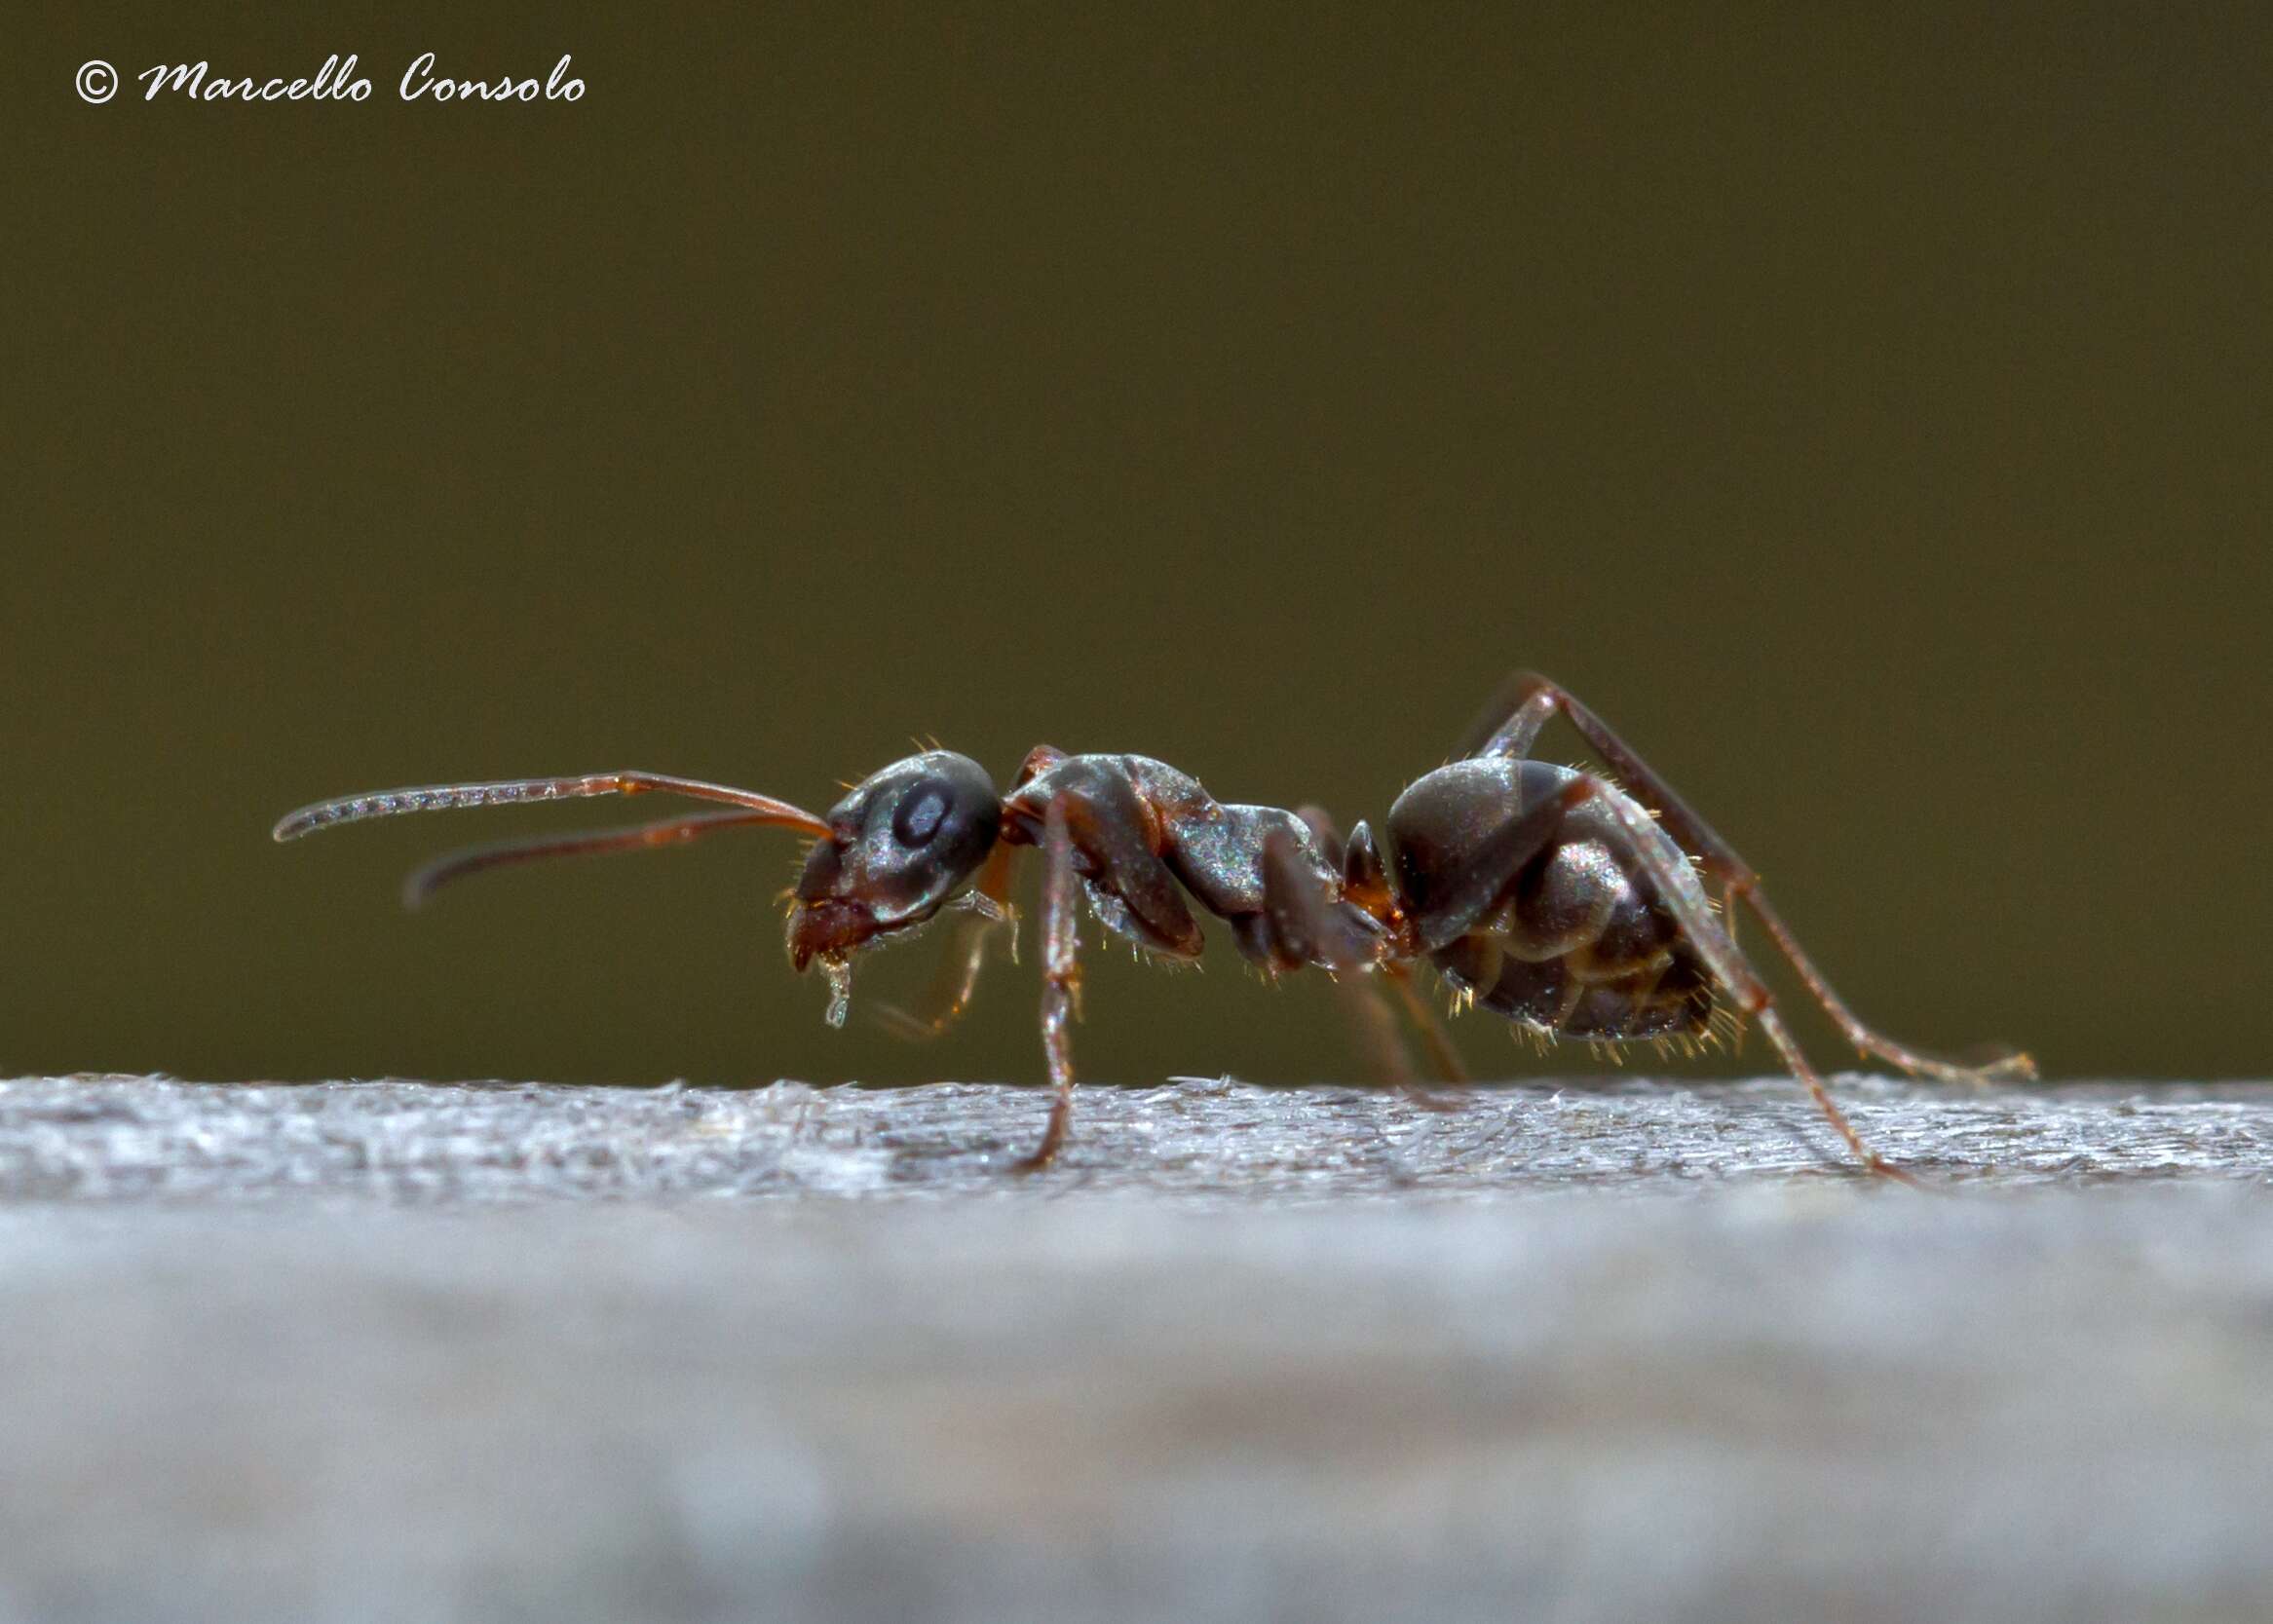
1879 1167
1053 1139
1428 1099
2013 1066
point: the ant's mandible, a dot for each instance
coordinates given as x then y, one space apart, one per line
1572 902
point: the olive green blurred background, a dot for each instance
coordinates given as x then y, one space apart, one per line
1871 418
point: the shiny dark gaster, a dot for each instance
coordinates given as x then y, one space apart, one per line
1571 904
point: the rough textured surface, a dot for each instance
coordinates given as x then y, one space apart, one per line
390 1351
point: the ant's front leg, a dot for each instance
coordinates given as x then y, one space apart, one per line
1095 828
1061 980
985 909
1528 702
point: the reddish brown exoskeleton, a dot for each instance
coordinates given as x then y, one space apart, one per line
1573 904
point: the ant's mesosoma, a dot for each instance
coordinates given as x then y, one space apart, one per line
1568 901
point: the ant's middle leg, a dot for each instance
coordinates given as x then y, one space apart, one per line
1304 923
1442 1055
1370 1009
1530 701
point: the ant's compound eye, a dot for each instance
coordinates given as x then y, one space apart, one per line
920 812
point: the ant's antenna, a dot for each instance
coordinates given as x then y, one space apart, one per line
391 803
457 865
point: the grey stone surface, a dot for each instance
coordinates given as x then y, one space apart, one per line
388 1350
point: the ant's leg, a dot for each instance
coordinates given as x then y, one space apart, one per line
1374 1026
1530 701
1442 1055
1303 925
2011 1064
1681 895
1444 1059
987 909
1113 827
1370 1009
1375 1017
1061 981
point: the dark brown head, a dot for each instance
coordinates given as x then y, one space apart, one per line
899 846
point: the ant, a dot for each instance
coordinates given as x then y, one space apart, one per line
1572 902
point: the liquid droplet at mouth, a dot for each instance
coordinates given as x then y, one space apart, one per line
839 971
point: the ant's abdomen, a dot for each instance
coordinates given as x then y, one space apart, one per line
1574 943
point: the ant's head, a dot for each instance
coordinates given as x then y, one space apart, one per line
899 848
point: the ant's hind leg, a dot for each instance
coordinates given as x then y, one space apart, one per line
2007 1064
1679 894
1061 982
1511 725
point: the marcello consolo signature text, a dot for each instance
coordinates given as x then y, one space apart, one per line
337 81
